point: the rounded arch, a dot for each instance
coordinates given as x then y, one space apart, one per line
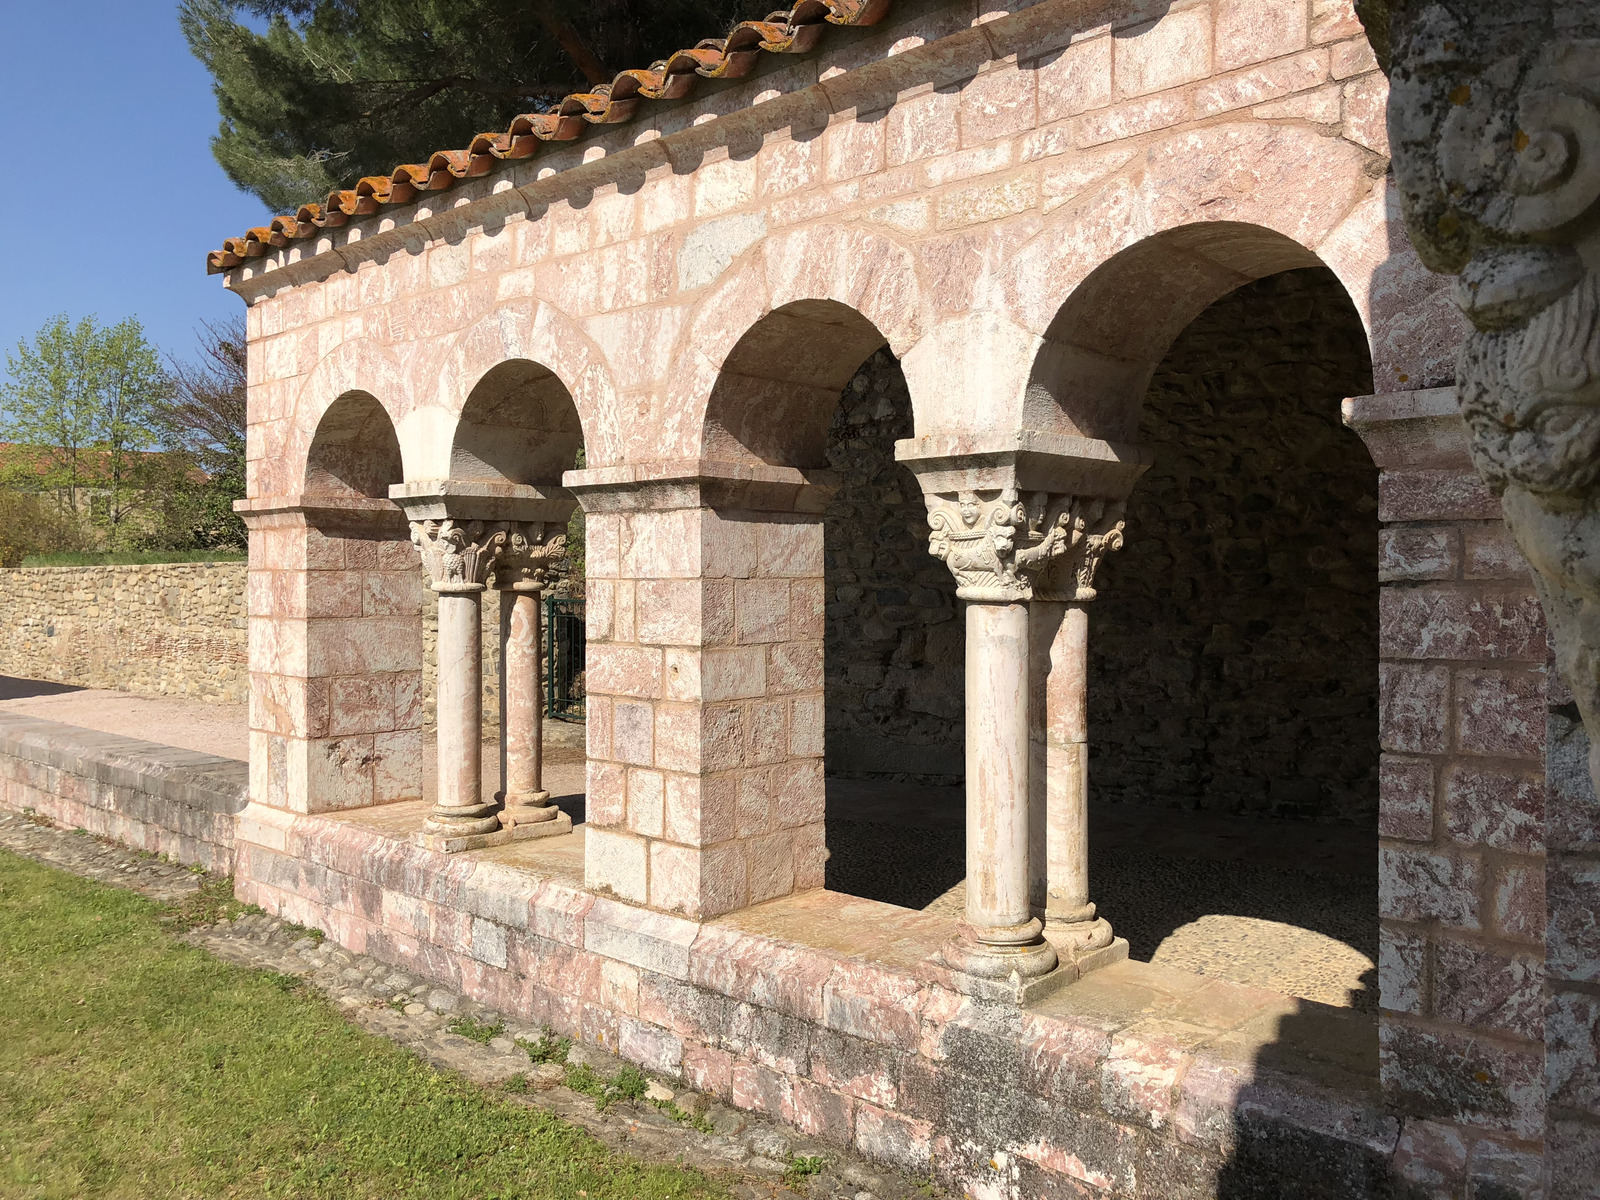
796 316
518 425
780 383
354 452
358 381
1113 278
530 366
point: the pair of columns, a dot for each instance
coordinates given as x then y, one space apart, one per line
464 557
1025 562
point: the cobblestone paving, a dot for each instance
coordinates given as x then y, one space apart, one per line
1312 934
670 1124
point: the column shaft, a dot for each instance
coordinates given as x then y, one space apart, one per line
459 807
1060 761
997 766
1000 939
521 709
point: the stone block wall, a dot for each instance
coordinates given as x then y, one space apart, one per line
1462 817
1234 646
163 629
705 711
180 803
895 642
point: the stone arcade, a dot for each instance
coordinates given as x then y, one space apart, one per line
1026 204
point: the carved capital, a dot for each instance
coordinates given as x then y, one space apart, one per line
1494 120
458 554
530 555
1003 548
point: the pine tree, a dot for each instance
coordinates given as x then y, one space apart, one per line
332 90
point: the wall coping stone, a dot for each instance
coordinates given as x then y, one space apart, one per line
186 777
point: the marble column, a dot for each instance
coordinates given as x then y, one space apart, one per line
458 555
520 576
975 533
1000 937
1059 778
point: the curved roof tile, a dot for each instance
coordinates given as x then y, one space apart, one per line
794 31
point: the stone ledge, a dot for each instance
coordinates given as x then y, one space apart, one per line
160 799
187 777
827 1012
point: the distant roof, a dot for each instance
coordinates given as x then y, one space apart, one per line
792 31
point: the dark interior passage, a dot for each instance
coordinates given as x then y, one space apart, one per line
1233 690
1234 647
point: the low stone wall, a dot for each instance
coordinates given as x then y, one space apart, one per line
1086 1095
161 629
179 803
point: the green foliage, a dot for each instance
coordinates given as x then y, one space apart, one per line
336 89
134 1065
203 419
85 558
84 397
213 901
28 524
548 1049
576 545
475 1030
800 1168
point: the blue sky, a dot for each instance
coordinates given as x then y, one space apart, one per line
113 197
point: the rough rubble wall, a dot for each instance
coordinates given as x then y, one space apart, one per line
894 641
1234 646
162 629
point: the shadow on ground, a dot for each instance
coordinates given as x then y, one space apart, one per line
1146 896
13 688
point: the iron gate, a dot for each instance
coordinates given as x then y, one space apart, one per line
565 642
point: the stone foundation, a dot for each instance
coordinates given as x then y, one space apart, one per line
826 1012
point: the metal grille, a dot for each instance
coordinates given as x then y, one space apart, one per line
565 642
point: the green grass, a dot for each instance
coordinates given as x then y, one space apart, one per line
133 1065
122 558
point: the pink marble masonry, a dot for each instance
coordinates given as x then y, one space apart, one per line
885 1058
1026 204
705 708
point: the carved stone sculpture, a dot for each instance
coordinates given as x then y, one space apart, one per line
529 554
458 554
1494 118
1004 549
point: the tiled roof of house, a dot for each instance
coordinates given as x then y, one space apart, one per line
793 31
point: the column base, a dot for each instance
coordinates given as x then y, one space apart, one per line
1083 940
528 808
1013 964
454 843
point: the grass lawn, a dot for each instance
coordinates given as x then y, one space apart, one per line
132 1065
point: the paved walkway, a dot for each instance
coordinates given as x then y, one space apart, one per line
1287 906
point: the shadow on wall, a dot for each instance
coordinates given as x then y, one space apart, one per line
895 643
1234 648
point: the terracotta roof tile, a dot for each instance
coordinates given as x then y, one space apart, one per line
794 31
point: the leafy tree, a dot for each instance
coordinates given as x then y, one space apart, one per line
84 397
29 526
336 89
203 421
